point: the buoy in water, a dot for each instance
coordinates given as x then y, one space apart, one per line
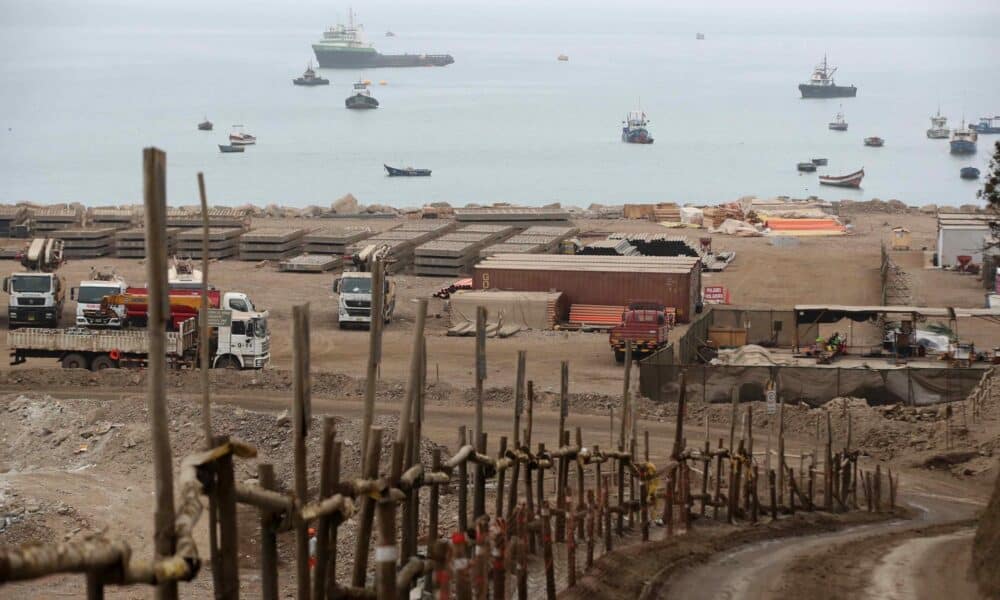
383 82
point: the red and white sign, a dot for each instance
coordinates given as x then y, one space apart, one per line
715 294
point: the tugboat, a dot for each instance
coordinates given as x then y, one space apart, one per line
874 142
238 138
939 127
963 140
838 123
362 97
344 47
969 173
406 172
310 78
205 125
987 125
634 131
852 180
821 84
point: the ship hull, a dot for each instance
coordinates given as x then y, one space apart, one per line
359 101
963 147
827 91
981 128
340 59
310 82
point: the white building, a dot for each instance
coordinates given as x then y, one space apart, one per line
961 234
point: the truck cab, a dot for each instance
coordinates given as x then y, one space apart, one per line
354 304
88 298
36 299
245 343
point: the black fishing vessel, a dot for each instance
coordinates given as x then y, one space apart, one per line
821 84
310 78
362 97
406 172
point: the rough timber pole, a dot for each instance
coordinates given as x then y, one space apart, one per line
155 198
374 350
625 418
479 496
372 454
300 429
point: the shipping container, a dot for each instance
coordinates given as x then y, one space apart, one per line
606 280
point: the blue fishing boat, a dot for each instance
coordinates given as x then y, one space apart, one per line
634 131
987 125
963 140
969 173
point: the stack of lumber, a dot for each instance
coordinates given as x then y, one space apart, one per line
131 243
667 211
271 244
454 253
638 211
539 239
51 218
223 242
218 218
310 263
334 240
512 215
86 242
117 217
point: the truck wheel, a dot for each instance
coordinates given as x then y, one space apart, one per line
74 361
227 362
619 356
103 362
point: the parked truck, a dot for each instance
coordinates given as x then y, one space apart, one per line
88 296
645 325
36 294
131 306
355 298
237 340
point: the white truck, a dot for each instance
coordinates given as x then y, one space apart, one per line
238 340
88 298
355 298
37 294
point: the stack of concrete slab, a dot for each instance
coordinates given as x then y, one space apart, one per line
454 253
117 217
512 214
131 243
223 242
310 263
401 241
539 239
218 218
11 216
52 218
86 242
271 244
334 240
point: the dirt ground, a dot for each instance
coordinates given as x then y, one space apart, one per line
74 447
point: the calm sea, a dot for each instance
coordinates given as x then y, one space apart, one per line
84 86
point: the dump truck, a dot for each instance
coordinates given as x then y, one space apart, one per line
184 304
237 340
36 294
645 325
355 298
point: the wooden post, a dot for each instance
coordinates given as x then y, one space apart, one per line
365 521
531 413
300 428
522 555
550 575
479 495
878 488
679 428
668 503
541 477
374 355
621 495
774 495
501 477
460 566
717 501
331 570
433 533
519 398
828 466
268 539
463 485
591 517
562 473
734 397
606 512
781 449
755 506
155 199
325 491
625 418
385 551
570 545
480 559
228 537
499 565
749 456
579 482
705 462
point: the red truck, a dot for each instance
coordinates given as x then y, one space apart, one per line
645 325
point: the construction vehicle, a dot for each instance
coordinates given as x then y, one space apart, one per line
355 298
644 323
133 303
88 298
37 294
238 340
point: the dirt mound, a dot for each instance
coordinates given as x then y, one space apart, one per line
986 547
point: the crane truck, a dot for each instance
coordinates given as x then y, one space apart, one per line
237 340
36 294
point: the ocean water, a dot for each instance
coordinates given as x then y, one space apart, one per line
84 86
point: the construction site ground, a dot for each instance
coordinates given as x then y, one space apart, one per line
75 452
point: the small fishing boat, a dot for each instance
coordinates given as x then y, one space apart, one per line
819 162
228 148
963 140
238 138
838 123
407 172
205 125
987 125
634 131
362 97
699 36
309 78
806 167
390 34
874 142
969 173
939 127
562 58
851 180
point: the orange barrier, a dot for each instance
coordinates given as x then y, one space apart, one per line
777 224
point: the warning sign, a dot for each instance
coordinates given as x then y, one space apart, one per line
715 294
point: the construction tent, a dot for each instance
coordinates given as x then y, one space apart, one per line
506 312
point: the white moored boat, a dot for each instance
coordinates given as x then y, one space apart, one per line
939 127
239 138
